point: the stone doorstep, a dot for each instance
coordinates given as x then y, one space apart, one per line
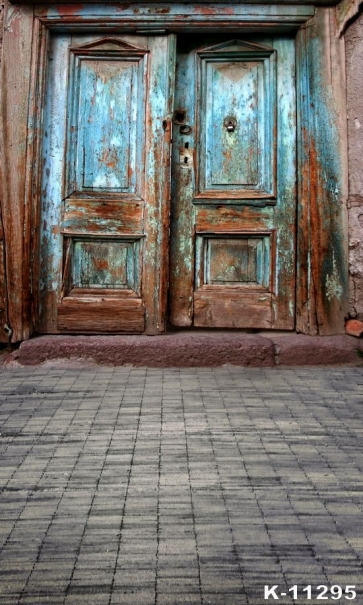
188 349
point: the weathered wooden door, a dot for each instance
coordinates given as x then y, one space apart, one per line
234 206
105 188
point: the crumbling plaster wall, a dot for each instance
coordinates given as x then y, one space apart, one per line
1 231
1 26
354 68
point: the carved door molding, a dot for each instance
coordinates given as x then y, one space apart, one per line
322 276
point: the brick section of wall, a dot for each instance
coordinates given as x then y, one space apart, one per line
354 67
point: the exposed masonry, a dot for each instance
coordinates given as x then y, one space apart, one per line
354 62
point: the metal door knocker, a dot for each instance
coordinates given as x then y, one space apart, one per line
230 123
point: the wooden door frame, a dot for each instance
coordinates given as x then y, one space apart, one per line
322 243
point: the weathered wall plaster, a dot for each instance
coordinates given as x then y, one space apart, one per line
346 11
1 25
3 336
354 67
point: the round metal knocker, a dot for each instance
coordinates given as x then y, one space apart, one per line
230 123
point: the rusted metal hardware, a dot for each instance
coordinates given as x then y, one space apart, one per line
230 123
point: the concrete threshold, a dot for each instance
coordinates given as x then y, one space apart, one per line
189 349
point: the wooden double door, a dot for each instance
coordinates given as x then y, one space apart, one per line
169 183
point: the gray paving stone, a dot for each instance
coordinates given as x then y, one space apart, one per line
150 486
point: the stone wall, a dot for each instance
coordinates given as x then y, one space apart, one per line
354 67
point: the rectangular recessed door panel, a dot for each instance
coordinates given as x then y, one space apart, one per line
242 261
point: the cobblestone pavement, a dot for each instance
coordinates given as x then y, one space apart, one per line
157 487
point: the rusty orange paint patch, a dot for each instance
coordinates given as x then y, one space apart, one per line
72 9
209 10
204 10
162 11
322 248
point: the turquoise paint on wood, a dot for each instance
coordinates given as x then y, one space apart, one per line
157 182
259 254
105 264
106 133
232 148
106 155
106 125
286 208
322 285
155 13
237 90
53 150
321 107
245 261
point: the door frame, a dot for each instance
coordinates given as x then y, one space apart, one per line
322 268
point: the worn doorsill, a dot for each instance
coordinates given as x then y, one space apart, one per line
188 349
